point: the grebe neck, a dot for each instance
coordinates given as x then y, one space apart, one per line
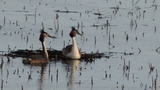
45 50
74 41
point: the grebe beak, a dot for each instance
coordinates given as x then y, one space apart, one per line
78 33
51 36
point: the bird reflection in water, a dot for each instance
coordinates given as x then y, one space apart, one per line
41 79
72 68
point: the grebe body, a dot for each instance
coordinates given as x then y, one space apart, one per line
72 51
39 59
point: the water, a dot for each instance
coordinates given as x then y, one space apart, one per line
20 24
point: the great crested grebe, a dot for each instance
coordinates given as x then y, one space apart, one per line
39 59
72 51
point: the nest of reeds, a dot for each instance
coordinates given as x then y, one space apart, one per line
54 54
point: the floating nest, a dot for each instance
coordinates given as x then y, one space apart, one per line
54 54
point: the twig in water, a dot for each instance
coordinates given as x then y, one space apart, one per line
157 49
139 50
127 37
151 68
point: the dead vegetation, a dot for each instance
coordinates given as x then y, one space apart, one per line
53 54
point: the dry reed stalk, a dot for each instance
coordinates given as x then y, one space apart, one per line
1 84
21 87
4 21
94 40
51 78
92 81
127 37
57 76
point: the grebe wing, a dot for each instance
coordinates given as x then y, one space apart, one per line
67 49
36 57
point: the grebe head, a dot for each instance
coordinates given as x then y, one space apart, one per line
74 32
43 35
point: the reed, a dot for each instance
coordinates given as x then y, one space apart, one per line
35 16
131 23
127 37
110 75
136 38
135 23
78 25
109 38
22 70
152 82
55 26
124 66
139 50
92 81
145 87
155 29
151 68
62 33
16 23
122 87
24 7
57 75
4 21
156 74
21 87
79 82
51 78
26 18
1 84
7 73
145 1
1 65
17 71
106 75
49 71
57 16
29 75
155 84
143 14
95 41
64 43
80 73
42 26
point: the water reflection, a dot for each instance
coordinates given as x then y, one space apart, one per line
41 80
72 67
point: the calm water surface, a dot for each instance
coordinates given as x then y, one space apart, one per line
133 28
